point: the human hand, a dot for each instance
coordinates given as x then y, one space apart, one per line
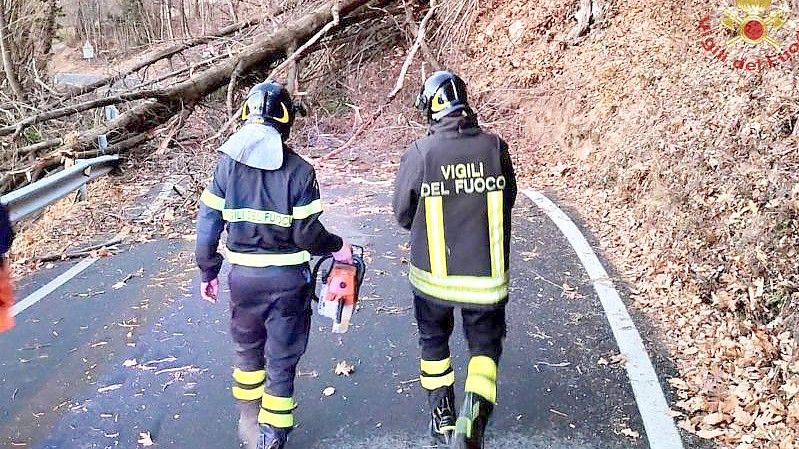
344 255
210 290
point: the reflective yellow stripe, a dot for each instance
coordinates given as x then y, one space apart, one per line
279 420
496 234
249 377
277 403
484 366
466 289
268 260
461 282
482 378
247 394
257 216
314 207
436 243
212 201
434 382
249 384
436 367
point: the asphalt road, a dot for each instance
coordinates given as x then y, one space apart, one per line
98 362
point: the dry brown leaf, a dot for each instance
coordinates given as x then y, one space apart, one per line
714 419
678 383
145 439
710 433
344 368
618 359
630 433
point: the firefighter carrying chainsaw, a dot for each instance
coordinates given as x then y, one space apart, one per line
454 192
267 198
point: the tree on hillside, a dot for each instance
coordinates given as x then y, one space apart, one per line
225 61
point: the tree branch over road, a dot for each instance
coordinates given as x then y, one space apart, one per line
158 105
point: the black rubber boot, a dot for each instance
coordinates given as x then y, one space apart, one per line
442 420
272 437
249 431
472 422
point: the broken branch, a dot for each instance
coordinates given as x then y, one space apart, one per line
412 52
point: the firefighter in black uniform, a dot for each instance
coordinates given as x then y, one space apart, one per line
454 192
267 198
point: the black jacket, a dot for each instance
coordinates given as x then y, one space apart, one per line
6 232
272 216
455 191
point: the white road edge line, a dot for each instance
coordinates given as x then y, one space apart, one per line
78 268
652 404
52 286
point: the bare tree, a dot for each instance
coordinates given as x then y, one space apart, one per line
9 67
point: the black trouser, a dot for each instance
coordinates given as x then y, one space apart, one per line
484 329
270 322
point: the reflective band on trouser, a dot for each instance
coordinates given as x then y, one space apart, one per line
481 290
437 374
436 243
248 385
496 233
277 411
267 260
212 201
256 216
482 378
302 212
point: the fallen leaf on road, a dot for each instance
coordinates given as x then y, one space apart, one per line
119 285
130 362
329 391
630 433
619 359
602 361
344 368
145 439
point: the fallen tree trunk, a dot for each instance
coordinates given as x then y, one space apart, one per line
161 55
162 104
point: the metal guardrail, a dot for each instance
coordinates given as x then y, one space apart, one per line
38 195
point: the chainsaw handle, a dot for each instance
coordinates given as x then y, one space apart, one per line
357 261
315 275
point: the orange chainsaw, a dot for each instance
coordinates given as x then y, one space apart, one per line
341 284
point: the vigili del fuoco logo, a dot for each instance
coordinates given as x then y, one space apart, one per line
751 35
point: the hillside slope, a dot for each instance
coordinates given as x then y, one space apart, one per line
686 169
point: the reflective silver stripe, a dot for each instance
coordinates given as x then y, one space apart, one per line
302 212
466 289
257 216
267 260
